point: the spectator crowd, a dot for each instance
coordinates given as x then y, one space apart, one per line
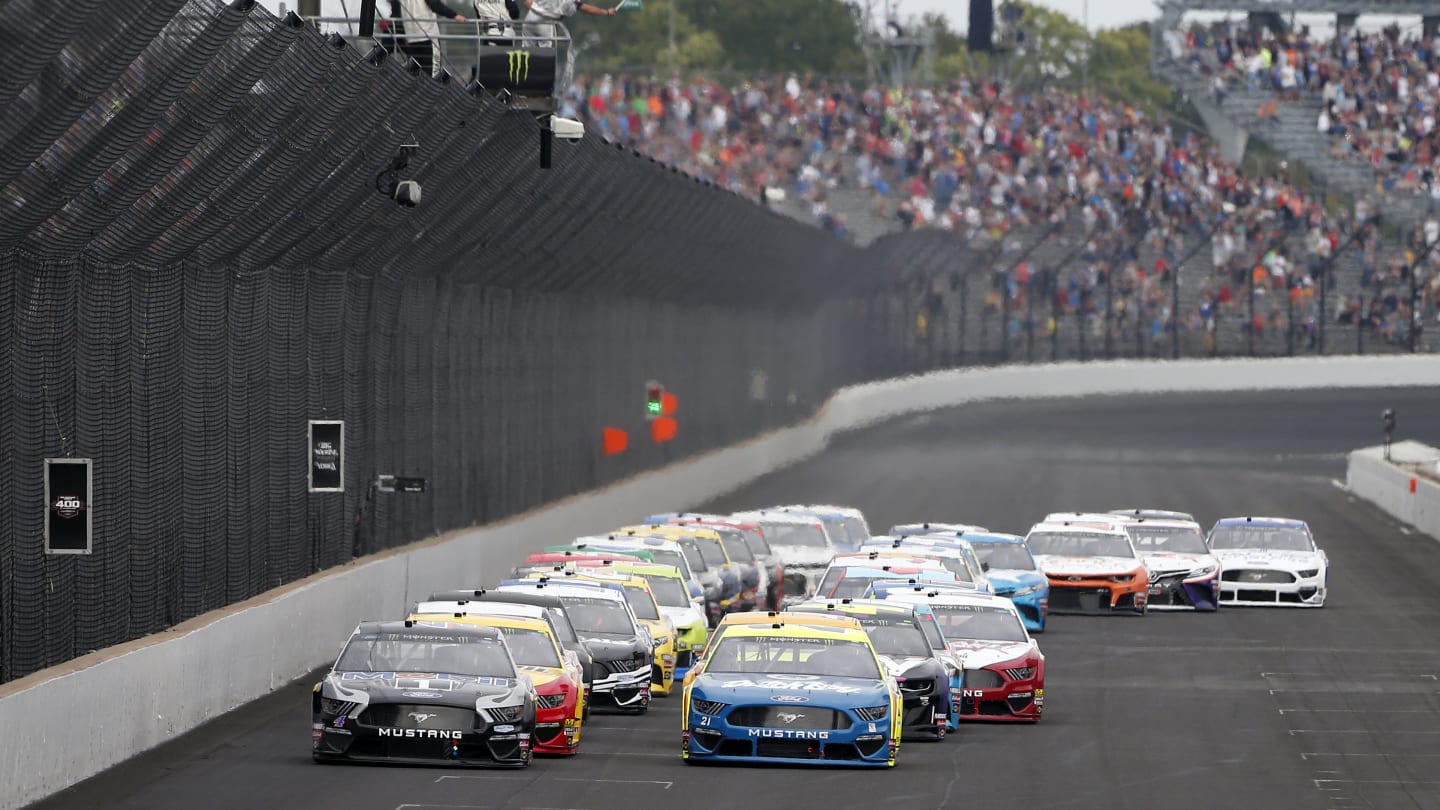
1129 196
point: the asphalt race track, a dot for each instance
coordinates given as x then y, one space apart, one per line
1247 708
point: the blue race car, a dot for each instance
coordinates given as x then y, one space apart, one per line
785 693
1014 575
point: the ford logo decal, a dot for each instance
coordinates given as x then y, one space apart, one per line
422 694
790 698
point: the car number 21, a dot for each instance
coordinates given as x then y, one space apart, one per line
704 719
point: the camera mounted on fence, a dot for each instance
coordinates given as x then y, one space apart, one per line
405 192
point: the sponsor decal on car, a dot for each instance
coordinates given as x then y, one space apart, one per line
789 733
420 733
808 686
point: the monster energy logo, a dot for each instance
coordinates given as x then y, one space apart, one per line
519 66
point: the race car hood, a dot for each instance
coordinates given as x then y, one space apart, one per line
1007 580
975 653
898 666
611 649
1058 566
1169 562
764 687
541 676
804 556
682 617
408 687
1260 558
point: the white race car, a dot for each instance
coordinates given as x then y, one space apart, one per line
1269 561
1184 575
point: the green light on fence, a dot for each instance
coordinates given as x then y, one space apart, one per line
653 407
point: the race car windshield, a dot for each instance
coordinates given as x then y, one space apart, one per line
978 623
561 623
856 530
710 550
641 602
1260 538
775 655
693 556
1180 540
756 541
1006 556
668 591
531 648
668 557
419 652
795 534
898 640
736 548
837 585
1079 544
599 616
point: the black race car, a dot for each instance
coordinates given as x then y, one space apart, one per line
424 692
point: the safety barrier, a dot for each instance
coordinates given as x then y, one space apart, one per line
1407 485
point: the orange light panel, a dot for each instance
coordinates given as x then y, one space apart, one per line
615 441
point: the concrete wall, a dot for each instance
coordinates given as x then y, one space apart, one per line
1388 484
96 711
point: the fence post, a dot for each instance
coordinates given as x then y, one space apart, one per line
1030 318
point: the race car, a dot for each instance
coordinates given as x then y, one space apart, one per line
905 651
801 544
1092 566
786 693
1154 514
705 581
643 607
1184 575
1013 574
556 674
844 525
1269 561
1004 668
425 693
685 614
769 617
951 551
554 613
908 529
754 536
619 644
851 575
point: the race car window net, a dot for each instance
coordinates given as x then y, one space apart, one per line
599 616
668 591
793 534
775 655
1261 538
641 602
978 623
413 652
898 640
1179 540
1008 556
1079 544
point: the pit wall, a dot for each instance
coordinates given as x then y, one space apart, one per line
98 710
1401 485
